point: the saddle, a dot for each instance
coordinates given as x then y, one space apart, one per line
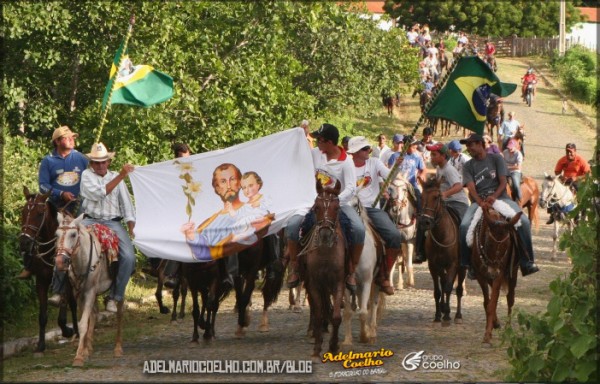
109 247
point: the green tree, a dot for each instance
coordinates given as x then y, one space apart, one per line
485 18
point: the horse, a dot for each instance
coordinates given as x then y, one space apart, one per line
442 59
442 250
560 200
530 195
206 279
90 276
494 259
389 102
179 290
402 208
325 267
265 253
368 293
494 116
295 298
37 245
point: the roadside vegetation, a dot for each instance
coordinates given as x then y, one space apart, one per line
578 73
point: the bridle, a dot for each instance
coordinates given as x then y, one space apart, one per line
551 197
435 218
67 254
32 205
326 222
398 205
485 260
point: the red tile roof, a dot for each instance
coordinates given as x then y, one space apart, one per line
591 13
375 6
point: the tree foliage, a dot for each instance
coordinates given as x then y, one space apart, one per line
523 18
561 344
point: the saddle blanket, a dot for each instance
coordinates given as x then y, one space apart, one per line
501 207
109 242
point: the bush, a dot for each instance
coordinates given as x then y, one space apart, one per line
577 71
561 344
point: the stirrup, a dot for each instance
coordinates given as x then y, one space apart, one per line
351 287
293 282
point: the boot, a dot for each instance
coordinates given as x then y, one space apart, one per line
529 267
419 245
293 278
550 220
354 260
384 271
24 275
54 300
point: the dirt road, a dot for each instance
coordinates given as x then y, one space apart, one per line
406 327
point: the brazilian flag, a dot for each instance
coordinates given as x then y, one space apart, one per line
139 85
465 97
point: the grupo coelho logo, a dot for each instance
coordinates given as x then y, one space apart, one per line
358 359
428 362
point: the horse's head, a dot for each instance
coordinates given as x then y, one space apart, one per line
35 215
326 208
548 193
68 239
402 205
431 203
496 240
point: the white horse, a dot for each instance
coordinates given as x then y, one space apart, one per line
402 209
79 247
369 296
560 199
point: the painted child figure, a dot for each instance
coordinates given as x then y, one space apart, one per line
258 208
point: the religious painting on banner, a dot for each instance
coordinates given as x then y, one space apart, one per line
211 205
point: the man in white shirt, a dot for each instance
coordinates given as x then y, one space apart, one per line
368 172
381 148
106 201
331 163
507 130
457 157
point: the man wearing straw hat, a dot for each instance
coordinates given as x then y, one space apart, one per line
60 174
106 201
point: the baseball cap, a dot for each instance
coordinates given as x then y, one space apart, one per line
328 132
455 146
63 131
474 137
439 147
357 143
398 138
512 143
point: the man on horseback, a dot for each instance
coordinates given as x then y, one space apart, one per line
106 201
571 169
331 163
60 173
485 178
514 160
508 130
368 171
451 187
457 157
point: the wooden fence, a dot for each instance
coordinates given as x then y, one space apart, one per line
521 46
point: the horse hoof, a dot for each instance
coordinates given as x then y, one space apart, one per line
38 354
446 323
165 310
497 325
68 332
437 320
78 362
263 328
348 343
118 353
458 321
194 342
240 333
297 309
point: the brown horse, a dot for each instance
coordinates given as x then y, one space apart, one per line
494 259
441 248
530 196
180 290
37 246
325 267
494 117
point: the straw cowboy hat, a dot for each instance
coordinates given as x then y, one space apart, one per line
63 131
100 153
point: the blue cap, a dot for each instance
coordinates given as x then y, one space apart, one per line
455 145
398 138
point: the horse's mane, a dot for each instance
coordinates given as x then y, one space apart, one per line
430 183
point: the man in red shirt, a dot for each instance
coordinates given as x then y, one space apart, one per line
528 78
572 168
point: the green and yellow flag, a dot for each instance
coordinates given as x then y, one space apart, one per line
139 85
465 97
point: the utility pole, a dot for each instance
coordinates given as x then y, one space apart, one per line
561 30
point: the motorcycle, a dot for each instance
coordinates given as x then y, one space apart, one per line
529 92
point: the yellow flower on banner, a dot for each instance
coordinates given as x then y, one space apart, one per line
191 188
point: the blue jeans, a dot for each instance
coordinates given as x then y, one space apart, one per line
524 232
516 181
126 257
357 229
384 227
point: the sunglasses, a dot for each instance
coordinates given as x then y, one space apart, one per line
368 149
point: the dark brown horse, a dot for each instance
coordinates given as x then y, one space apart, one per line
263 255
180 290
389 102
494 117
38 247
530 196
494 258
206 279
441 248
325 267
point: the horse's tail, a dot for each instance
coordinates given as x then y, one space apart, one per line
272 287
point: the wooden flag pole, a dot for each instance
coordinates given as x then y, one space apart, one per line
123 50
396 167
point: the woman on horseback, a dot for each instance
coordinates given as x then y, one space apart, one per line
514 160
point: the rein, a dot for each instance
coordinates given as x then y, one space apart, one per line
436 218
35 243
399 204
483 245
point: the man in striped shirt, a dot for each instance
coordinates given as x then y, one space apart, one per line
106 201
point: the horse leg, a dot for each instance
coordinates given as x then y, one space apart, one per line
347 322
89 337
195 313
446 282
409 265
118 351
492 316
212 303
317 316
363 303
376 308
159 287
554 239
264 321
175 295
42 294
437 294
88 302
183 285
459 294
336 319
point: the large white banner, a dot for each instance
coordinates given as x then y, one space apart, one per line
210 205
